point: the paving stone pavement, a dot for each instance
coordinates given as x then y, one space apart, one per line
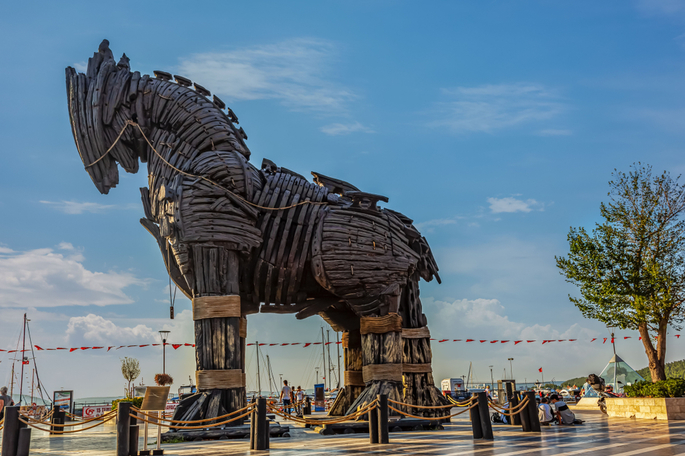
599 436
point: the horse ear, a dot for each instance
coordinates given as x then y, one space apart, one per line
105 50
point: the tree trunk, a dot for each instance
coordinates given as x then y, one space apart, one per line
656 357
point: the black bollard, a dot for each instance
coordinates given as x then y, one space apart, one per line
261 428
10 433
382 410
24 442
123 428
523 414
133 439
253 428
373 426
484 411
532 409
57 418
474 414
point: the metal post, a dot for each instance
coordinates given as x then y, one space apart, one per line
533 417
383 419
159 434
133 437
261 428
123 428
474 414
145 437
10 433
373 426
485 423
24 441
323 353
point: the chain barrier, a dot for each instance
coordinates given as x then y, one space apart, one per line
140 412
205 426
474 404
110 417
511 411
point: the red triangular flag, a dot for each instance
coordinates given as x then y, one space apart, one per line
494 341
593 339
249 344
530 341
470 340
188 345
296 343
307 344
109 348
37 348
143 345
271 345
516 342
483 341
176 346
562 340
97 348
677 337
504 341
572 340
284 344
540 369
443 340
456 340
640 338
628 337
85 348
605 340
72 349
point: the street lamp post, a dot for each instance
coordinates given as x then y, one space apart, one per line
511 368
492 380
164 335
317 375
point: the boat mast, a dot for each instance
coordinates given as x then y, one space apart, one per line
337 344
12 384
323 348
259 380
23 349
271 380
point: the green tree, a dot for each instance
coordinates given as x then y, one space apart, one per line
630 270
130 369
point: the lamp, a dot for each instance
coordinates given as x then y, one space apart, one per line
164 335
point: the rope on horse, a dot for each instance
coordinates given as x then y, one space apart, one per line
211 182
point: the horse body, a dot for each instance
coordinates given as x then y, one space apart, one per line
266 237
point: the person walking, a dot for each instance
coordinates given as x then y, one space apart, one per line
5 401
299 400
286 396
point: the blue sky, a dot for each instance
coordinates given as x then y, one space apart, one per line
494 125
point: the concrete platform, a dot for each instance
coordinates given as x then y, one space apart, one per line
599 436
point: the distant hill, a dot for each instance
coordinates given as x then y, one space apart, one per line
676 369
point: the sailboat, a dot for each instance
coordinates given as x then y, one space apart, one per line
27 357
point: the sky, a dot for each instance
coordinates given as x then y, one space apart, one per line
494 125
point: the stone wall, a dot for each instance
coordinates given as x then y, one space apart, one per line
647 408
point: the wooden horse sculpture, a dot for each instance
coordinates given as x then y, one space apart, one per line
238 240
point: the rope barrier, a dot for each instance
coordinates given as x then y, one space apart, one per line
372 405
436 417
67 432
140 412
211 182
511 411
459 404
80 423
432 407
206 426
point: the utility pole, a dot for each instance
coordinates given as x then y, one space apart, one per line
164 335
259 380
323 348
337 344
23 349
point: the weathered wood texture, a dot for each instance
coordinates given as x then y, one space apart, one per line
267 237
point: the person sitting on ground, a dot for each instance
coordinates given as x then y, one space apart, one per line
5 401
563 413
545 412
286 396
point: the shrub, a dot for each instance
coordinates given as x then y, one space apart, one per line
136 401
673 387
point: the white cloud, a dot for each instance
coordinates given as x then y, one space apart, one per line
489 108
81 67
96 329
337 129
44 278
660 7
296 72
511 204
430 225
78 207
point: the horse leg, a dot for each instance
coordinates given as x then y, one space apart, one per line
220 330
353 380
417 370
